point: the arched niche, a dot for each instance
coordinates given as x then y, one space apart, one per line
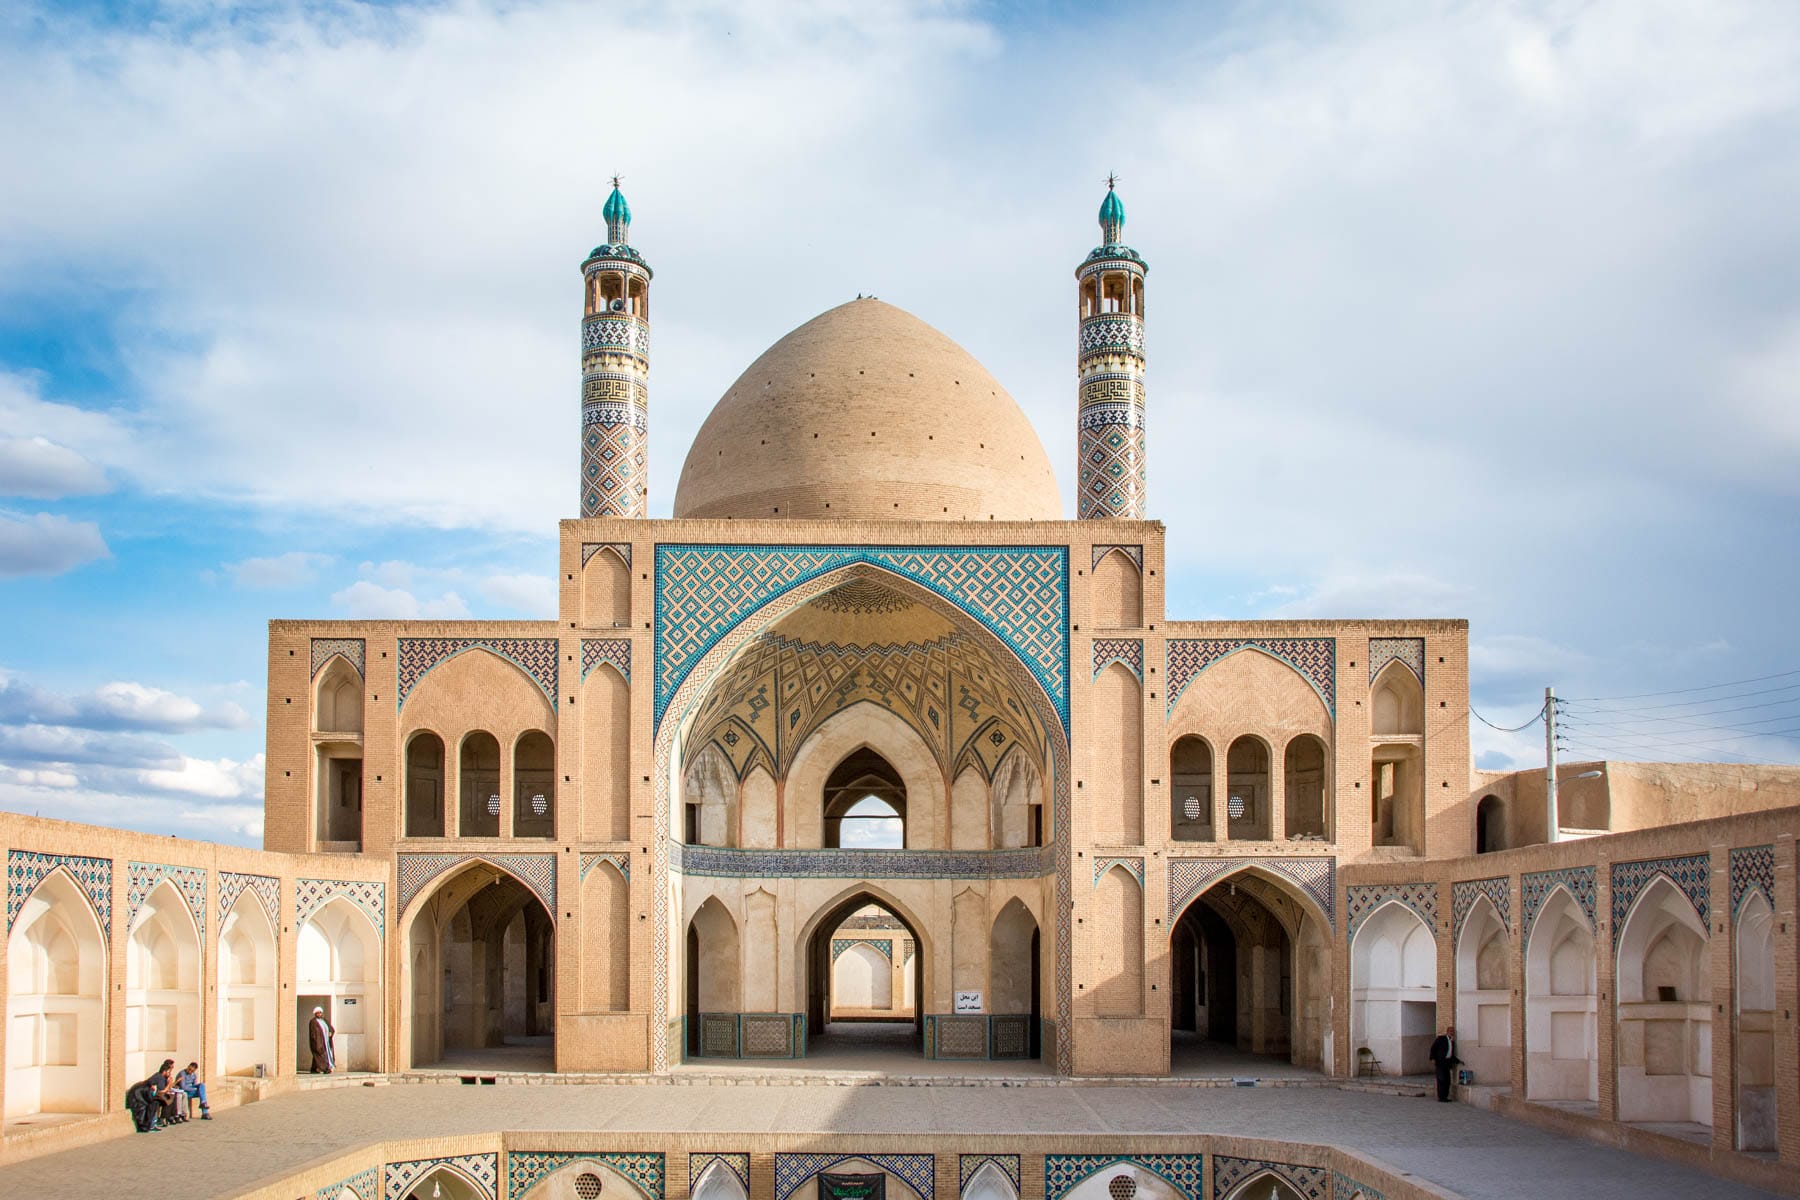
866 726
162 983
862 982
1118 945
1118 736
1306 778
1664 1010
1264 1185
1397 703
1125 1179
719 1182
1490 825
478 785
338 756
55 1003
865 803
1191 789
534 785
1017 796
712 973
338 968
425 778
1754 1047
1117 592
709 789
989 1183
606 590
1561 1055
1484 994
1247 795
247 989
445 1182
1393 997
606 755
840 918
476 691
338 699
605 940
595 1179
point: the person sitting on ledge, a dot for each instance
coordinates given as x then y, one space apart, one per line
147 1100
188 1084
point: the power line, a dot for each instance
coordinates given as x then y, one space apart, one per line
1774 691
1583 711
1686 727
1535 718
1686 691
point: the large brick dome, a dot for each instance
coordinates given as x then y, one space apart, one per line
862 413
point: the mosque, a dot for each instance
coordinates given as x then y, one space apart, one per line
870 745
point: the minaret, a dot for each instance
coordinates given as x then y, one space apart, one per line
615 372
1111 473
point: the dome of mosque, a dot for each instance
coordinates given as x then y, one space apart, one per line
866 412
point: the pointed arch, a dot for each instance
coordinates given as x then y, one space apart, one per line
247 988
606 755
1484 958
709 788
1116 593
447 1181
1118 737
338 967
162 981
1016 794
719 1182
426 784
989 1182
1561 1051
1015 985
606 590
812 951
1393 993
1118 944
1664 1009
1397 702
971 821
866 726
56 998
1267 1184
338 697
606 939
1758 1122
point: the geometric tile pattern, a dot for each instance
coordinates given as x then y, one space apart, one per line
535 871
737 1163
1752 868
1129 651
618 858
1134 553
362 1183
1314 658
1183 1172
1408 652
725 863
264 887
1019 593
324 648
1535 888
310 895
1692 873
524 1168
1314 1183
915 1170
1114 473
589 549
1364 899
481 1171
1345 1188
1317 877
1104 864
189 881
882 946
1465 893
614 652
968 1164
25 869
614 476
534 656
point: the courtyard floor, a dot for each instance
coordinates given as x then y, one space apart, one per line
1467 1150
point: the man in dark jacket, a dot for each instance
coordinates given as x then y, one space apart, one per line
318 1038
1443 1057
145 1100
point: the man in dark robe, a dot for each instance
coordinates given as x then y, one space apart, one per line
146 1100
1443 1058
318 1037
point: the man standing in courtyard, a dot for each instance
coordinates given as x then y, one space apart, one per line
1443 1058
318 1037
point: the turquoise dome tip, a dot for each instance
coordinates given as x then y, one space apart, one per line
1112 209
616 209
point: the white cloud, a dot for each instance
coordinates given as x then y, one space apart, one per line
280 571
46 544
1352 594
39 468
44 777
529 595
119 706
1505 657
368 600
218 779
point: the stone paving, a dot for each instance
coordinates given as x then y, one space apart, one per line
1478 1154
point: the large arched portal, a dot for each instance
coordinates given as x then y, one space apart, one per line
1248 973
482 952
863 951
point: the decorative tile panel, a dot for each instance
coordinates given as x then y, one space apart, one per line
310 895
1183 1172
362 1183
1129 651
1312 1183
352 650
1314 658
482 1171
1345 1188
1691 873
1535 888
534 656
25 869
144 878
1105 863
613 652
1317 877
1113 473
737 1163
915 1170
1134 553
618 858
1408 652
723 863
535 871
1020 594
1362 899
589 549
1463 895
881 946
525 1169
968 1164
1752 868
266 888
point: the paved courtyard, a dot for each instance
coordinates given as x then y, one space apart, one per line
1469 1151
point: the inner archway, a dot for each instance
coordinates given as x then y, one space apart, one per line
841 1018
482 950
865 804
1393 1000
55 1003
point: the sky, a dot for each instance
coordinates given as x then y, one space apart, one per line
1481 310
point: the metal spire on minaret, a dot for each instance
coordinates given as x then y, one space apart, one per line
615 371
1111 475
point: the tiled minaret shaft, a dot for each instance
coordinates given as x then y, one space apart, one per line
615 372
1112 474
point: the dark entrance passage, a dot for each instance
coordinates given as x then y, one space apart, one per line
1232 991
847 999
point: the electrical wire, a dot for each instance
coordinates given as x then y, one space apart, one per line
1711 687
1535 718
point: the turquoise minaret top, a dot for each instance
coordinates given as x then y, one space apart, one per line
1112 217
618 216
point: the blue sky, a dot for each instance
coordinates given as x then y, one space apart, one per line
1471 309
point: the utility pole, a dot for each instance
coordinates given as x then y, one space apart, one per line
1550 764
